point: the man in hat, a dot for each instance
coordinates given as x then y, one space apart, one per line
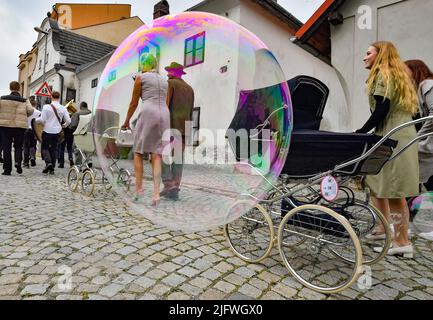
180 101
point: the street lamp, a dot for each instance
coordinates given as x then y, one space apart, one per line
39 30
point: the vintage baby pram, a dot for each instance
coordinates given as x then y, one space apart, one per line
86 137
323 237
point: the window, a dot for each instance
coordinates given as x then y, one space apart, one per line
196 127
46 61
112 76
70 94
94 83
40 64
195 49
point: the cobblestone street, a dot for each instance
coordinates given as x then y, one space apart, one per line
115 254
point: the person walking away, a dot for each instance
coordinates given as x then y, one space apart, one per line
14 112
55 117
153 122
67 144
30 141
180 101
393 102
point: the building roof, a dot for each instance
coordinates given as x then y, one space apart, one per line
91 64
78 49
269 5
318 20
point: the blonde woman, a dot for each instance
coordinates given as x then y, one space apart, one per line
393 100
153 121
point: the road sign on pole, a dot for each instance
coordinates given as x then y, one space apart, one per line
44 91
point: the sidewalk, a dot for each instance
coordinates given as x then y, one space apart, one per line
116 254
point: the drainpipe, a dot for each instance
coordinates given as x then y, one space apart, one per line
62 81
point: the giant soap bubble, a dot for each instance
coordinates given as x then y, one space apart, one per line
239 133
423 206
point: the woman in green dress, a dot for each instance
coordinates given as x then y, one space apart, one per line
393 101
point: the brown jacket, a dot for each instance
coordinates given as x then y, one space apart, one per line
180 101
14 111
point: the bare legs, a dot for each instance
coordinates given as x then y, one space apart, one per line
401 227
156 169
400 218
138 166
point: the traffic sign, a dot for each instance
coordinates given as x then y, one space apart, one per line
44 91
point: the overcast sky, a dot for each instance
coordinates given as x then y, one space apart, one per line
19 17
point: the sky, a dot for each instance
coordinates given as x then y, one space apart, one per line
19 17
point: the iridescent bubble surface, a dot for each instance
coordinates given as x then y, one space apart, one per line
239 135
423 206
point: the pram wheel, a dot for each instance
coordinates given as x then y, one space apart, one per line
73 179
251 237
106 183
365 220
124 179
312 261
88 183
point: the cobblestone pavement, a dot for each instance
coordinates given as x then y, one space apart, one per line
115 254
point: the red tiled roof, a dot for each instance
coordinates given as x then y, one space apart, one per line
314 18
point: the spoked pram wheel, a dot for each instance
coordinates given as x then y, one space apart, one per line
106 183
73 179
124 179
251 237
365 220
88 183
312 261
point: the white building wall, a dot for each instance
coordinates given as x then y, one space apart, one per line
406 23
296 61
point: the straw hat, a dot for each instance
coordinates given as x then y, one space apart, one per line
175 66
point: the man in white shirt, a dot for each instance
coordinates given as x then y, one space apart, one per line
30 139
55 117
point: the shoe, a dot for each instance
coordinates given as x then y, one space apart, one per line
172 194
19 169
61 166
6 174
48 168
155 203
33 163
26 165
71 163
51 172
139 196
406 251
426 235
374 236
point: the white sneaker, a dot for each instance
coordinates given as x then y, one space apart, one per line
426 235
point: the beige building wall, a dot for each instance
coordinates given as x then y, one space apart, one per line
26 67
113 32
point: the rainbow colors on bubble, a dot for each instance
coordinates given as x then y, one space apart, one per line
238 85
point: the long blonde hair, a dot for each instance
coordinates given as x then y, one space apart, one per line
395 75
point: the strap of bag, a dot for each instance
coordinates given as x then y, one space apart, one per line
57 115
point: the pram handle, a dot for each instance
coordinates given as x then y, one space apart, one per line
386 137
262 126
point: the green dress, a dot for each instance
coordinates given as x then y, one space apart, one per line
399 178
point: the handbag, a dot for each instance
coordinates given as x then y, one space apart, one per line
125 139
61 138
